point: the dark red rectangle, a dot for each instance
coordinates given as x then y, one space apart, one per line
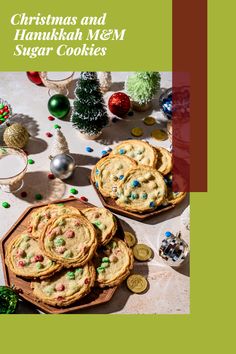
190 75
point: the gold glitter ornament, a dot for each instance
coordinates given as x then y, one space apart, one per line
16 135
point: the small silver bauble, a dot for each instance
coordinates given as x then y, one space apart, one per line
173 249
62 166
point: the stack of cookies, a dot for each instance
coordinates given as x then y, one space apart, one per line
138 176
66 251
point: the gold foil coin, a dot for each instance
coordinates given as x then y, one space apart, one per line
142 252
159 134
137 283
137 131
130 239
149 121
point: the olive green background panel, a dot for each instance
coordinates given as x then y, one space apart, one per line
209 327
146 45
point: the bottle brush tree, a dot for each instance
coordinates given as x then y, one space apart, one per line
89 113
142 86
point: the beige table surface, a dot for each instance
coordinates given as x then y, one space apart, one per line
169 289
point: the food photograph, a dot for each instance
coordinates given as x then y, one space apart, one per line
90 221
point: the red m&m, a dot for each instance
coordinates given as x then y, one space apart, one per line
84 199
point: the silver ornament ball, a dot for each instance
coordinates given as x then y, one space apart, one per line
62 166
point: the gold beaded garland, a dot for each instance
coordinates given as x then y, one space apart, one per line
16 135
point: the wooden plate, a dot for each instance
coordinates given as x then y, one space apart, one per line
95 297
110 203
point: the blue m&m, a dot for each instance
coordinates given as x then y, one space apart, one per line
135 183
134 196
122 151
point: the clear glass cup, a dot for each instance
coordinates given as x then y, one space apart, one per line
56 82
13 166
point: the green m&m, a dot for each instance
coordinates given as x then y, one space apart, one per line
59 241
73 191
38 196
70 275
39 265
100 269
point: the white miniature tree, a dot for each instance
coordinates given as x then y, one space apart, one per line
59 144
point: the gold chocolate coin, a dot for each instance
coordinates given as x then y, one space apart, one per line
159 134
142 252
137 131
130 239
137 283
149 121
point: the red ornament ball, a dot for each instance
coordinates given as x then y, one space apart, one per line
34 77
119 104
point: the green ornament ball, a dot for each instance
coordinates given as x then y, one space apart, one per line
8 300
59 106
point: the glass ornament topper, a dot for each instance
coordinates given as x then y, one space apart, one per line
174 250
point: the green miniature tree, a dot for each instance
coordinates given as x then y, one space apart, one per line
142 86
89 113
